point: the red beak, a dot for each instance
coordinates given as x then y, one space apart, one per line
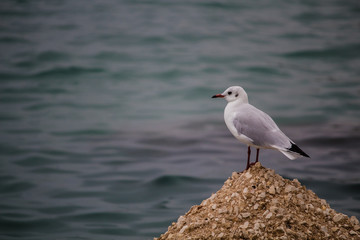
218 96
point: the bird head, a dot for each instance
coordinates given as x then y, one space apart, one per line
234 93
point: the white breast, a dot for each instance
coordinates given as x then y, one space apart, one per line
229 115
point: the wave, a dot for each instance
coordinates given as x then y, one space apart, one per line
116 231
51 73
233 6
324 141
85 132
179 181
168 180
265 70
37 225
33 161
114 56
30 90
14 187
12 39
346 52
9 118
103 217
48 170
51 56
67 71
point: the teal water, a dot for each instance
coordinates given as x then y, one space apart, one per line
107 128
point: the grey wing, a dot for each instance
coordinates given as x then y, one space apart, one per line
258 126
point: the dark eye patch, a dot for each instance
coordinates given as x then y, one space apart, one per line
236 95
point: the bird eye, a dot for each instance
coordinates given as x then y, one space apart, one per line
229 92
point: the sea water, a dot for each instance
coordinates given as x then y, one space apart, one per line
107 126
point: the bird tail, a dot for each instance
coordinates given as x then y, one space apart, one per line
293 152
290 155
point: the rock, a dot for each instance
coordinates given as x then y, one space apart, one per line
236 210
354 220
259 204
222 210
211 198
266 212
338 217
300 196
324 229
235 194
296 183
183 229
269 215
180 222
272 190
262 195
248 174
289 188
352 232
245 225
273 209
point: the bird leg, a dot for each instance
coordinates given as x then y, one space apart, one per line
257 155
248 160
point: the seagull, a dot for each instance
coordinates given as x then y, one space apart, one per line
253 127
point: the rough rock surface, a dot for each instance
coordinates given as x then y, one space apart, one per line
259 204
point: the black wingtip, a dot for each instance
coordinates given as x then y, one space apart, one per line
295 148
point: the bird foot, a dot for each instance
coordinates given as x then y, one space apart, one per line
250 165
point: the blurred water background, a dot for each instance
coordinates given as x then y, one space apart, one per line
107 128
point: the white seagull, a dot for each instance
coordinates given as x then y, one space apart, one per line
253 127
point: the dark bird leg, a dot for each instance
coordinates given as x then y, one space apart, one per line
257 155
248 161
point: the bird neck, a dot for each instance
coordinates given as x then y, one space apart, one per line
239 101
231 106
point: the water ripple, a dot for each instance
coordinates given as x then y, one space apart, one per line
48 225
348 52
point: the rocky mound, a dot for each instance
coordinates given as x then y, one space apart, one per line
259 204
